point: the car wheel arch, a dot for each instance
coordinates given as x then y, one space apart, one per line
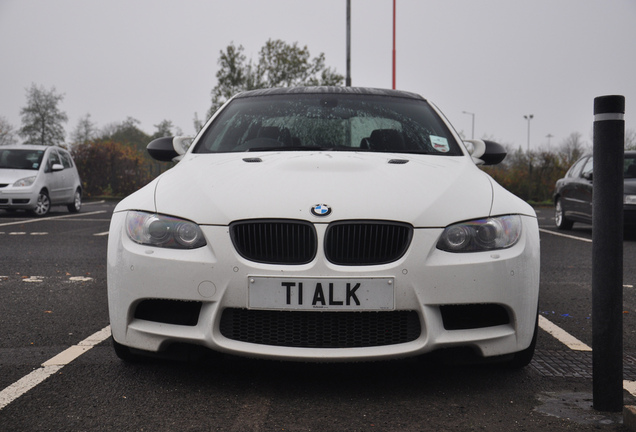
42 209
76 204
560 220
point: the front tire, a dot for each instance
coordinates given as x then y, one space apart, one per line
560 220
43 204
76 205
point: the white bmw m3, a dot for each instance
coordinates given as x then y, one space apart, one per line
325 224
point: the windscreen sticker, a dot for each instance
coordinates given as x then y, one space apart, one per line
440 144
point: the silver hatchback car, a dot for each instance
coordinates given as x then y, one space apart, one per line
35 178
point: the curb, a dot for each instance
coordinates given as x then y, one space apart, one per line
629 417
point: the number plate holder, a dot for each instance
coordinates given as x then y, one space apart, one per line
352 294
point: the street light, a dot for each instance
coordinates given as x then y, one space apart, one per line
472 114
528 117
549 137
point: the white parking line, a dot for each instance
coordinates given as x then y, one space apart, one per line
75 215
33 279
25 384
562 336
80 279
50 367
23 233
583 239
566 338
576 345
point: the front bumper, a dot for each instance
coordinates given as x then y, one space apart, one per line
25 199
436 286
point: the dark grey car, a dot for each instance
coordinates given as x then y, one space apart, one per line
573 193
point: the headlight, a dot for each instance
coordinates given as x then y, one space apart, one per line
481 235
163 231
629 199
27 181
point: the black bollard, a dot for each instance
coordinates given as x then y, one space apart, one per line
607 253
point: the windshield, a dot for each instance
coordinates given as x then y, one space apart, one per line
328 122
21 159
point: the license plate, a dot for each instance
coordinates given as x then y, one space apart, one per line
320 293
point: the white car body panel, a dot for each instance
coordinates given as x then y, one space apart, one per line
304 179
12 175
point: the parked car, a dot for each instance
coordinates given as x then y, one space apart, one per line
573 193
35 178
325 224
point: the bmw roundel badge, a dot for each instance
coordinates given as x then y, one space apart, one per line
321 210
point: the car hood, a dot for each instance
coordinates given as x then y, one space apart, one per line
10 176
424 190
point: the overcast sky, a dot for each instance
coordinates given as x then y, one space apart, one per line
499 59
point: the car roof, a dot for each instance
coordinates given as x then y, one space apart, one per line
330 91
630 153
26 147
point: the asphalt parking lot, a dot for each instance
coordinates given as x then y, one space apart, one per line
59 372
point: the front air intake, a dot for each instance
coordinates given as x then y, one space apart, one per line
311 329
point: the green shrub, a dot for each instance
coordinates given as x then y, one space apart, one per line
109 168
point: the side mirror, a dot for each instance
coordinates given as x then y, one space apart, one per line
181 144
57 167
486 152
168 149
495 153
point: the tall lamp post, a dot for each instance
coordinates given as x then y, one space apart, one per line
473 115
348 79
528 117
394 1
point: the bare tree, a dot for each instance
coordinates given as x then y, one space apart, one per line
572 148
84 132
630 139
42 120
197 123
165 128
7 134
279 65
127 132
